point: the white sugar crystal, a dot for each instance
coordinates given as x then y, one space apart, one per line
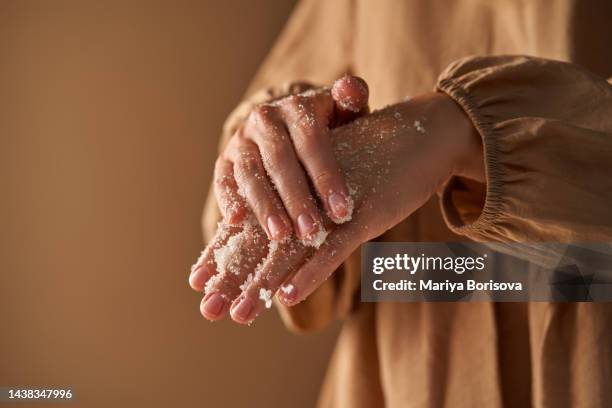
210 283
287 289
228 257
221 257
272 246
316 240
266 296
419 126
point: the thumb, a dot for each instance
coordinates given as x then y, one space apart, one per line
350 94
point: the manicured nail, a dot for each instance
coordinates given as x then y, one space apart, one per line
288 294
306 225
338 205
276 227
213 305
243 310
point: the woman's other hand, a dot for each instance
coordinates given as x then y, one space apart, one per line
281 150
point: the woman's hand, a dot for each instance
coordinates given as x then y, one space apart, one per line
282 149
393 160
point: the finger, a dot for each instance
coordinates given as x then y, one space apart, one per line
205 266
307 119
351 95
268 131
255 186
236 261
282 260
336 249
232 205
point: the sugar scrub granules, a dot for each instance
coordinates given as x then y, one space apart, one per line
316 240
287 289
210 283
229 257
266 296
350 206
222 233
272 248
419 126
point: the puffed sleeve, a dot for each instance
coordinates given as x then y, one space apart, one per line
314 48
546 129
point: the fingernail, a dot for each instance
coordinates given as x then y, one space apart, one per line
338 204
306 224
213 305
287 294
242 311
276 227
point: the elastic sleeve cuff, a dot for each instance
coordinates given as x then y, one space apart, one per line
545 128
461 200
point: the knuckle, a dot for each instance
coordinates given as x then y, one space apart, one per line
247 166
306 124
274 155
324 177
308 138
258 206
295 202
240 136
263 114
223 183
270 137
222 178
324 103
231 281
291 101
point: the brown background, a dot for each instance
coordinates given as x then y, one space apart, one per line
109 118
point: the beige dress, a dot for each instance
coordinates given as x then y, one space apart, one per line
547 132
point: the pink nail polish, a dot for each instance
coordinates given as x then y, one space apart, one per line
276 227
306 225
338 205
243 309
213 305
288 294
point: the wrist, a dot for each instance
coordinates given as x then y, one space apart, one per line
462 139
